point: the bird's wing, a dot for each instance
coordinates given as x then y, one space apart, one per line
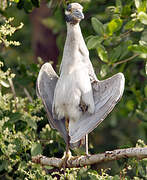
45 87
107 94
91 72
46 83
85 54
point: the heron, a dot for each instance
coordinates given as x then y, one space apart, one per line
73 92
76 101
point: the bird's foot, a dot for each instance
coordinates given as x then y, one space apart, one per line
65 158
87 155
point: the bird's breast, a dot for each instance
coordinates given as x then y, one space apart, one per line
68 91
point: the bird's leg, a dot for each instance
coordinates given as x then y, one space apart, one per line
86 144
68 137
67 153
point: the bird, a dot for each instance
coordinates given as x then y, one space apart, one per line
76 102
73 92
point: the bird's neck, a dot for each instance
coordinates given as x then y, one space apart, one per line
71 57
73 31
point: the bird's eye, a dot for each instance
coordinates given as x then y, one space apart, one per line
69 7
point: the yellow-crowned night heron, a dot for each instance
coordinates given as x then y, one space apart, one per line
77 102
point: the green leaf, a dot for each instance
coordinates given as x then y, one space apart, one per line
118 3
126 10
120 51
36 149
138 27
16 1
97 26
114 25
143 40
104 70
4 165
115 54
20 4
138 48
118 8
102 53
137 3
130 105
143 17
36 3
94 41
130 25
140 5
145 91
31 123
4 83
141 115
124 48
28 6
16 116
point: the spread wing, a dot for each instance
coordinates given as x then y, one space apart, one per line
45 86
85 54
107 94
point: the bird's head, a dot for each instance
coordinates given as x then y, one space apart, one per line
73 13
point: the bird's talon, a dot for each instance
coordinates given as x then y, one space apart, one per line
65 158
88 155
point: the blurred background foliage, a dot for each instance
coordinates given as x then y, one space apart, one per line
34 31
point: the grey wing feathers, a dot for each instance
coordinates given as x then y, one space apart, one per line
107 93
45 86
85 53
46 83
92 74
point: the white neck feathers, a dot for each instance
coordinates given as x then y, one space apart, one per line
71 54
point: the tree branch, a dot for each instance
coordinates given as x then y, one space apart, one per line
12 87
125 60
80 161
28 95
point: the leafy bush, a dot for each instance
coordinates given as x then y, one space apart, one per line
118 44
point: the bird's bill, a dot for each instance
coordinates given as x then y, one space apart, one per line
74 16
77 14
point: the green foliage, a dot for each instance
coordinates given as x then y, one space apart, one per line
27 5
114 25
102 53
20 136
5 76
6 31
120 40
117 44
97 26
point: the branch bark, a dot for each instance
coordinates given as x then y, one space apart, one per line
80 161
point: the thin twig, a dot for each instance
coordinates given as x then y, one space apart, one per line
28 95
12 87
125 34
13 91
126 60
80 161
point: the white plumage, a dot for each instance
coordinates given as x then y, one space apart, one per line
74 85
77 86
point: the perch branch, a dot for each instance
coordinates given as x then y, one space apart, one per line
80 161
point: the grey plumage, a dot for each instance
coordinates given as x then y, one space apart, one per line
107 94
77 84
45 87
